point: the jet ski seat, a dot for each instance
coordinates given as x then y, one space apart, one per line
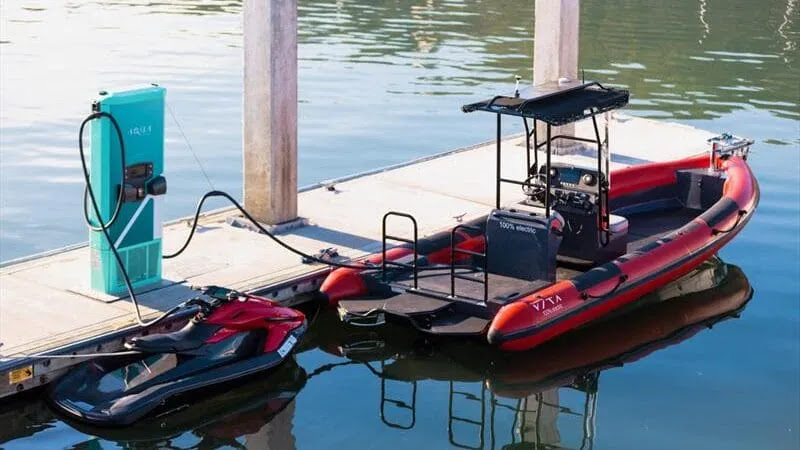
191 337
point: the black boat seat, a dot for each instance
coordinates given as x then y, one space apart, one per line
190 337
582 242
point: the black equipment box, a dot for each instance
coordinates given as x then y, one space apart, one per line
521 245
699 188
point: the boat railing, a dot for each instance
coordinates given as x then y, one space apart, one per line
454 250
385 237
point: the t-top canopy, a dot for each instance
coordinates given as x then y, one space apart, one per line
556 103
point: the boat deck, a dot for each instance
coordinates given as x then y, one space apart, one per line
45 304
645 228
432 296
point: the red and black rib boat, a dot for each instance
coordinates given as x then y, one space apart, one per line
577 247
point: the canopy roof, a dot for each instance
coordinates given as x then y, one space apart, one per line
556 104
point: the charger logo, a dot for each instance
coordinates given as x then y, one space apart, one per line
141 130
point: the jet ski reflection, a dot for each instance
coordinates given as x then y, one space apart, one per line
214 419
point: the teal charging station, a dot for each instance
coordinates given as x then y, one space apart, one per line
136 232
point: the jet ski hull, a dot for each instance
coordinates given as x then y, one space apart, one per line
239 339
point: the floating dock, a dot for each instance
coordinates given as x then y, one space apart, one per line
47 307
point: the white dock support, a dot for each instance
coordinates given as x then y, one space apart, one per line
555 50
555 44
270 109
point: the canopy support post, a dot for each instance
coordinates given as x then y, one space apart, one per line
602 188
547 166
499 139
527 147
535 145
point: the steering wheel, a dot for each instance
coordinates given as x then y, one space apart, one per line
535 187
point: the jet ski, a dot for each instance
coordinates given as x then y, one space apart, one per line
233 335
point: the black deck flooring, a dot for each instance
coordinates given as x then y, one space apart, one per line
500 286
434 286
648 227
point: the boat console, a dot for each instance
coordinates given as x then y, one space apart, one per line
579 194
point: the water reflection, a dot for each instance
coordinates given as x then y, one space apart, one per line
257 414
369 72
483 384
543 398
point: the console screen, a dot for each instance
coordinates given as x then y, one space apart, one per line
570 176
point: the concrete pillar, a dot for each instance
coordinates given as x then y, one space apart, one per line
555 44
555 50
270 109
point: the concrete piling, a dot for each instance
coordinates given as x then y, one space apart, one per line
270 109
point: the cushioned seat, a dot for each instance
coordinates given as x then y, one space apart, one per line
190 337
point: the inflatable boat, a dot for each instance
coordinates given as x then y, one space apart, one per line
583 242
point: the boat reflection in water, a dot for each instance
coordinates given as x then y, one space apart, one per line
527 384
495 400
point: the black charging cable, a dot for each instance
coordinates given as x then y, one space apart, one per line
360 266
120 197
207 195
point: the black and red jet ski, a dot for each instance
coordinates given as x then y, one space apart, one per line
234 335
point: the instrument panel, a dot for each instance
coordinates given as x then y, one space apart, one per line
571 177
570 186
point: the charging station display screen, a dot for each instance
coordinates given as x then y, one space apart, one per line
137 171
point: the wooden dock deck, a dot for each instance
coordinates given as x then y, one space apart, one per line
46 306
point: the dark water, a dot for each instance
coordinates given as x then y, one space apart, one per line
381 82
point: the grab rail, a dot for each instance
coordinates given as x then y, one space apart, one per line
384 262
484 255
